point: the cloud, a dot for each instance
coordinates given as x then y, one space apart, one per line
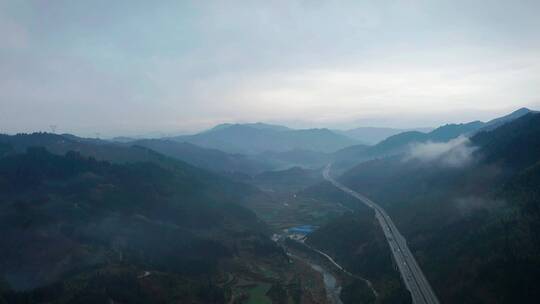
469 204
13 35
116 67
454 153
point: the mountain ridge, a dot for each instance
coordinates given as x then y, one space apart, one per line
400 143
451 215
245 139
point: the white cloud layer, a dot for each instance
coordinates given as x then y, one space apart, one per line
125 66
454 153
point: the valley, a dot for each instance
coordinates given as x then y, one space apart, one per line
269 152
411 274
183 223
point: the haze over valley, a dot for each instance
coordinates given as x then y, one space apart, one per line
289 152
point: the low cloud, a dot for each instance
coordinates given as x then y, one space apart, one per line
454 153
470 204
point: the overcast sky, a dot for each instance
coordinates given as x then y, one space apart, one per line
130 67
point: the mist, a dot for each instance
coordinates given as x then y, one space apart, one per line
457 152
470 204
283 151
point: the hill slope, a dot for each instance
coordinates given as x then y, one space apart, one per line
373 135
467 221
209 159
86 231
61 144
136 151
400 143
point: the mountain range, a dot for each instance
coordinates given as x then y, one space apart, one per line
259 138
84 220
469 211
206 158
373 135
401 142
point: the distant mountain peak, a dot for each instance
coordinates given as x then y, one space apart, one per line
221 126
494 123
254 125
254 138
523 110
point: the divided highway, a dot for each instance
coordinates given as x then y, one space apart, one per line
412 275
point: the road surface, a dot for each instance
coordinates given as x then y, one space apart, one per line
412 275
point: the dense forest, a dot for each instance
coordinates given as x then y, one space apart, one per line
472 225
94 221
77 230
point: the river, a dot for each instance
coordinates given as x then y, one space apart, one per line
331 285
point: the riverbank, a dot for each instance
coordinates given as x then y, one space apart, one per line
333 275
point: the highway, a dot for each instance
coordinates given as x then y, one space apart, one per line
412 275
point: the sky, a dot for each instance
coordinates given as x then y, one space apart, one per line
175 67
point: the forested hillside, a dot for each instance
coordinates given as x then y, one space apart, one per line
400 143
209 159
469 210
87 231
